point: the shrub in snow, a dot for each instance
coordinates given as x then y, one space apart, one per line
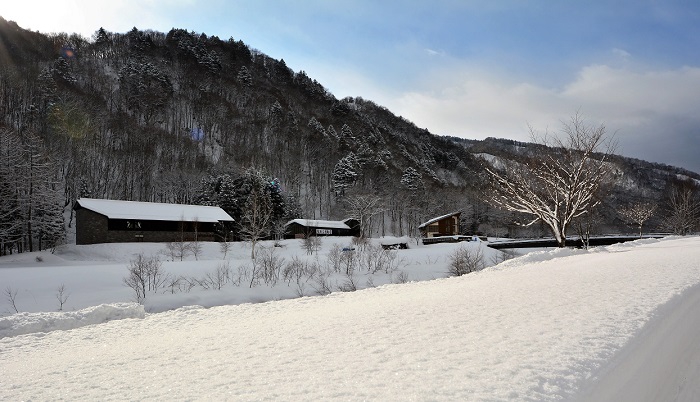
348 284
373 259
178 284
311 244
267 266
465 260
297 269
401 277
179 250
218 278
322 285
342 260
365 258
145 274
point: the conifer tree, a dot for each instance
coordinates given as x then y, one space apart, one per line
344 174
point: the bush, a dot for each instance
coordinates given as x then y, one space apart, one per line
267 266
373 258
218 278
145 274
464 261
312 244
401 277
297 269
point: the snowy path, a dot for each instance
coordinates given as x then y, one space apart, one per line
534 330
661 364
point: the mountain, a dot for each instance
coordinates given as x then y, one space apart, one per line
149 116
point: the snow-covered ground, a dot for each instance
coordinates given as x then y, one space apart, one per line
94 274
614 323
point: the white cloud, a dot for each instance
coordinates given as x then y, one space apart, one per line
621 53
433 52
636 105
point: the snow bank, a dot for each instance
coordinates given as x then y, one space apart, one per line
28 323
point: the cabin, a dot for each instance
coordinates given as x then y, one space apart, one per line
445 225
302 228
113 221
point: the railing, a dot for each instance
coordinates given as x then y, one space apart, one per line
573 241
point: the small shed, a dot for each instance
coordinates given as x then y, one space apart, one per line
445 225
302 228
114 221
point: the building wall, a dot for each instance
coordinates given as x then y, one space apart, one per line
444 227
91 228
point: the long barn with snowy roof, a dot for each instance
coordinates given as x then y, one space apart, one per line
113 221
301 228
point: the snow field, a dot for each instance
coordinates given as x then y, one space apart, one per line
94 274
534 328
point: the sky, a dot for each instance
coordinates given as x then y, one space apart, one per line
471 69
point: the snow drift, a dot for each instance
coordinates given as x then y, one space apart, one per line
27 323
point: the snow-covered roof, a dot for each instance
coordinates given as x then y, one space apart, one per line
439 218
320 223
154 211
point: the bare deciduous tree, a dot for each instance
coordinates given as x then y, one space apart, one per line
62 296
225 247
11 295
311 243
363 208
638 213
257 216
683 209
558 183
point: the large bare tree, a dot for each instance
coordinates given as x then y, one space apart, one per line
558 182
258 212
363 208
683 208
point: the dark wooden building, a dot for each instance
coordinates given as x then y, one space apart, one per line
301 228
112 221
445 225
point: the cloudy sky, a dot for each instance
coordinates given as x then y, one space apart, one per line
466 68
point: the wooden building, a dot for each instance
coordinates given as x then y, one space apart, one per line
112 221
445 225
302 228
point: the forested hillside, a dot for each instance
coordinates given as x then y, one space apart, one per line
168 117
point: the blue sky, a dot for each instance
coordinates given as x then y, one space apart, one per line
473 69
